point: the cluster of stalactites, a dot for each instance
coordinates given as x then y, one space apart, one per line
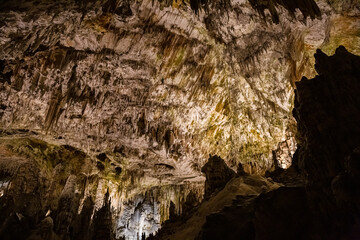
307 7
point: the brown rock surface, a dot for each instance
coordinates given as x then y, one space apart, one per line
132 96
217 174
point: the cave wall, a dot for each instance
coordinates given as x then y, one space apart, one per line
327 112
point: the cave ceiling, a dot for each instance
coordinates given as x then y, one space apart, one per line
128 98
157 86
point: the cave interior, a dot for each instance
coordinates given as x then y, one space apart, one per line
179 119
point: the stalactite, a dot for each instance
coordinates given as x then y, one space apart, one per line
307 8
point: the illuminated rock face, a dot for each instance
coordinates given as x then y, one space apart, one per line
145 213
327 111
42 183
149 76
148 89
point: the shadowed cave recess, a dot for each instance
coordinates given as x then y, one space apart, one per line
179 120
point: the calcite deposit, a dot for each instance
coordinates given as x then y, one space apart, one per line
42 182
325 205
113 106
159 77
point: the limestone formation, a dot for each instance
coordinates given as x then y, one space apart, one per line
102 74
57 192
109 110
217 174
326 204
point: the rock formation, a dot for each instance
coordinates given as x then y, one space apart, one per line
104 74
58 192
217 174
109 110
326 205
329 138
